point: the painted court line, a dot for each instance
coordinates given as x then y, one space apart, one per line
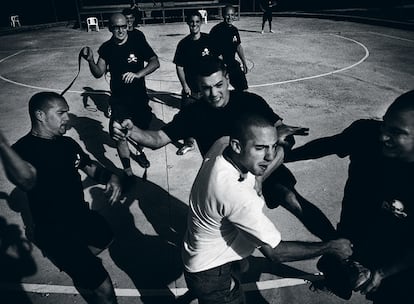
323 74
390 36
130 292
251 86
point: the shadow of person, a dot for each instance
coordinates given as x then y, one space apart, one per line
168 98
91 133
259 265
16 262
151 261
100 98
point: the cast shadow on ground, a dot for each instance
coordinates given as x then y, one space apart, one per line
91 133
151 261
250 31
259 265
100 99
168 98
16 261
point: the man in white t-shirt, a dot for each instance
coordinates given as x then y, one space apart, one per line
226 222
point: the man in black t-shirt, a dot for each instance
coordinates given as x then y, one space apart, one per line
190 50
124 56
45 164
213 118
226 42
378 204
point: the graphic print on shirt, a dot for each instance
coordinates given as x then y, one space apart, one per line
205 52
77 160
132 58
395 207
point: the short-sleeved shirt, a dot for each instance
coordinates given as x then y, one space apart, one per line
128 57
225 40
226 221
207 124
188 54
57 198
378 204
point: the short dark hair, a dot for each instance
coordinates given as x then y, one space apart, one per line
241 125
42 101
128 11
209 65
192 13
404 102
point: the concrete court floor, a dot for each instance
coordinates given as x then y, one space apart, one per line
321 74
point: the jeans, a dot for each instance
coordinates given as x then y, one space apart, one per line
214 286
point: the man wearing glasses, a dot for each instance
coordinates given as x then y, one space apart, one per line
129 58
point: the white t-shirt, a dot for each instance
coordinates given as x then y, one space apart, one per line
226 220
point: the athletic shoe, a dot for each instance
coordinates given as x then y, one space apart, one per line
358 274
262 32
272 31
186 148
141 159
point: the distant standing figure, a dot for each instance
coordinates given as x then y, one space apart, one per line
267 8
226 43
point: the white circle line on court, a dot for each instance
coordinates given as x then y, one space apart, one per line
132 292
251 86
323 74
390 36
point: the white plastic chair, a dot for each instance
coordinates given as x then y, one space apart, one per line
203 14
92 22
14 21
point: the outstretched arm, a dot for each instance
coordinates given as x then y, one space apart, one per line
288 251
148 138
314 149
18 171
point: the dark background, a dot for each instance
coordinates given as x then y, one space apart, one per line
47 11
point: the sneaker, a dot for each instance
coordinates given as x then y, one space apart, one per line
262 32
141 159
358 274
272 31
184 149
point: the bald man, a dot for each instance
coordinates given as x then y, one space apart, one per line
129 58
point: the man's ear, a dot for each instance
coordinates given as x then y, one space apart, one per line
40 115
235 145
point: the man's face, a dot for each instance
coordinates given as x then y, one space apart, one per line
215 89
130 22
194 24
229 16
259 149
397 135
119 28
56 118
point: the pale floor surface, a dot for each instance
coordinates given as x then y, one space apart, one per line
320 74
